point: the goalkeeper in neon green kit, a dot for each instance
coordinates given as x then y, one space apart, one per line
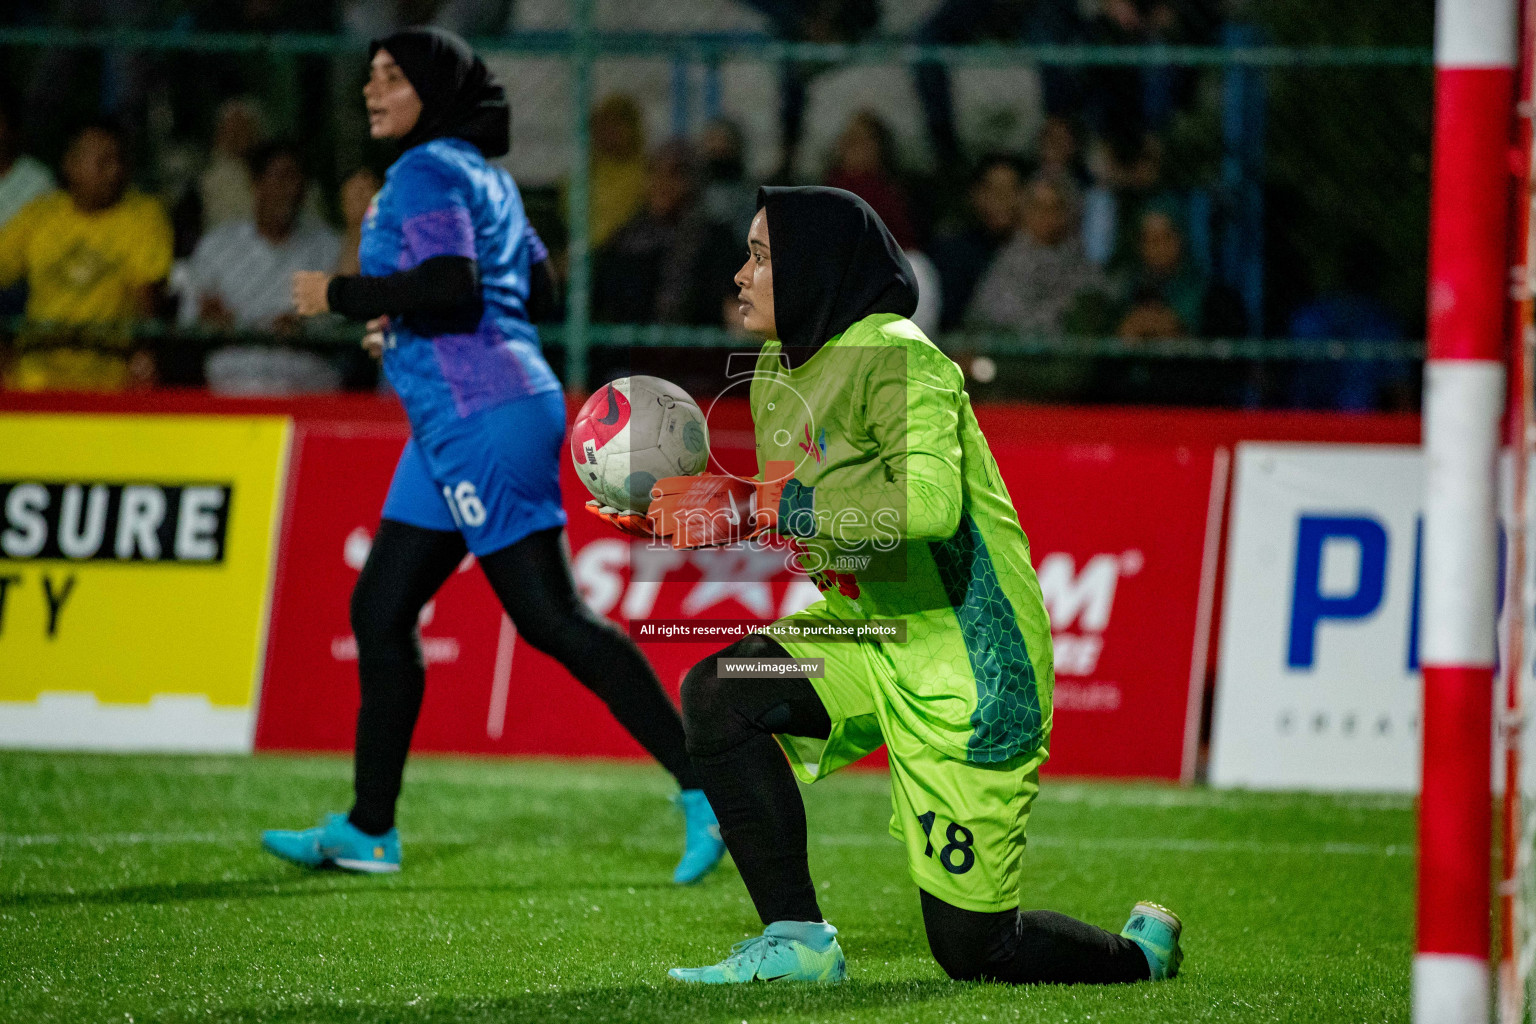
871 458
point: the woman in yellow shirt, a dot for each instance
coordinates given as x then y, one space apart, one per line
91 254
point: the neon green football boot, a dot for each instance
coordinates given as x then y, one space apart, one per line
786 951
1156 930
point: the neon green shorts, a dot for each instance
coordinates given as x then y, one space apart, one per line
961 823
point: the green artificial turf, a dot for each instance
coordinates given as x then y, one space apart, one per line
132 889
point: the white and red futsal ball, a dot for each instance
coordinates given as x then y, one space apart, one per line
631 433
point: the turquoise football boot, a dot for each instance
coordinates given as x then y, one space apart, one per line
336 842
1156 930
702 845
786 951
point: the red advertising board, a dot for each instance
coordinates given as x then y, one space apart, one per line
1123 507
487 692
1118 534
1124 541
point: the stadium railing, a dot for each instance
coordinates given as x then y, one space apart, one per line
157 335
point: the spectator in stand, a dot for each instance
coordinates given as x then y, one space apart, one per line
865 164
1059 151
972 21
617 190
809 21
22 179
357 192
962 258
1127 174
670 264
225 184
1042 272
95 253
1351 311
239 281
240 271
224 189
728 197
1135 100
1165 293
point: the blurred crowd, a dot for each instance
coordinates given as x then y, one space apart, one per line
1085 233
84 255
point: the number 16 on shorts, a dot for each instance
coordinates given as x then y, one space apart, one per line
464 504
958 854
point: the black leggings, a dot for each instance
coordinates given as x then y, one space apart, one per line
532 579
730 725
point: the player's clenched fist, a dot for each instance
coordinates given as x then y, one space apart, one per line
308 287
373 340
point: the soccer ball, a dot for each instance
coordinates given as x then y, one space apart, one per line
631 433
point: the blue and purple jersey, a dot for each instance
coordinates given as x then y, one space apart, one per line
442 198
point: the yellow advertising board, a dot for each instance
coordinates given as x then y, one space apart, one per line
136 557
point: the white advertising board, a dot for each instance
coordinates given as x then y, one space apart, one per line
1318 685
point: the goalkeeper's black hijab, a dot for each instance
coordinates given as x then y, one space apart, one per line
459 97
834 263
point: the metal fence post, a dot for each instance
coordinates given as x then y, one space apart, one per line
1242 175
578 298
682 96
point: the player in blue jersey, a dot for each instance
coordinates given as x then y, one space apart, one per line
449 264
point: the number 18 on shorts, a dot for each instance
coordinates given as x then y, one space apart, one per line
963 825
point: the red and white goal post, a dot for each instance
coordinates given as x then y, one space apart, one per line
1477 397
1517 831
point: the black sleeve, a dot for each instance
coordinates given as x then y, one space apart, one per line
443 288
543 294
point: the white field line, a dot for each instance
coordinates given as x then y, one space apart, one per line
647 781
1132 844
118 839
656 784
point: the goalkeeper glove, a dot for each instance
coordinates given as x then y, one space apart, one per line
712 509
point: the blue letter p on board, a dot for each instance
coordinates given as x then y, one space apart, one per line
1309 605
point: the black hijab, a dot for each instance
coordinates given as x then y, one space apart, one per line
834 263
459 98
